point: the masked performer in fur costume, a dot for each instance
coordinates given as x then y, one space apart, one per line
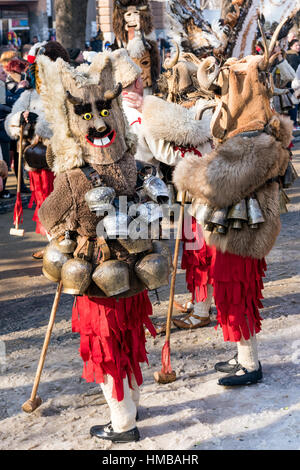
160 144
238 185
133 28
92 155
28 112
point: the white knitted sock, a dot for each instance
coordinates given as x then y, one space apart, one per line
135 392
123 412
247 353
202 308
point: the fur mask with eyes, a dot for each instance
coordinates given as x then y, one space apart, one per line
84 109
97 123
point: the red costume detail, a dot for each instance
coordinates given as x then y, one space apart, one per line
237 292
184 150
139 120
18 210
196 262
112 337
41 185
166 358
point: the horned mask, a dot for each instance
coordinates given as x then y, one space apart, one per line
84 111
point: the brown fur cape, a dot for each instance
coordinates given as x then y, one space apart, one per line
233 171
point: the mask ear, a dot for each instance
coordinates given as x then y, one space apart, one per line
68 154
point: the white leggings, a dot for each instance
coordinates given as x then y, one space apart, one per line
123 412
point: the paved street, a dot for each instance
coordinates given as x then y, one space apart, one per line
191 413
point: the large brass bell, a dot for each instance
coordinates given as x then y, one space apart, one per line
238 214
53 261
76 276
219 220
255 215
67 245
136 246
112 277
153 271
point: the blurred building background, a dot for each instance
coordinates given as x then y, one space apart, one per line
37 17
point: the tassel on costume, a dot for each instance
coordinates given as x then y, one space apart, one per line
197 262
18 210
237 292
112 337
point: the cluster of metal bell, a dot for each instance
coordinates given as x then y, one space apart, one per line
284 102
113 276
247 211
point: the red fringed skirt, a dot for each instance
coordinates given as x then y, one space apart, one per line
112 337
41 185
196 259
237 292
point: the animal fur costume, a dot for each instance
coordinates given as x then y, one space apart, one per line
41 180
77 103
250 156
133 28
184 136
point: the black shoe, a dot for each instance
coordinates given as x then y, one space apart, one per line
106 432
247 378
228 366
6 194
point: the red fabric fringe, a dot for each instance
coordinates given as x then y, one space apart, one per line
41 185
18 210
237 292
112 337
196 262
166 358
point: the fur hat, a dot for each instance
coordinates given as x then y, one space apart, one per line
74 52
51 49
16 66
125 70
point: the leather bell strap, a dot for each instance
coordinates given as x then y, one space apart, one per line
92 175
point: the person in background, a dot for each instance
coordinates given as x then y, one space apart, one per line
12 86
76 56
7 56
35 40
292 55
25 49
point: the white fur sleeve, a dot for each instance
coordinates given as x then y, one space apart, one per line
12 121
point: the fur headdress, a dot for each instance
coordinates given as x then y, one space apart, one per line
126 71
120 7
59 79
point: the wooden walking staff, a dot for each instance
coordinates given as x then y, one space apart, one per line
35 401
18 210
166 374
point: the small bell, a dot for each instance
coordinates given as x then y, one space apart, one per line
285 102
238 214
219 220
255 215
283 201
203 213
156 189
67 245
289 176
